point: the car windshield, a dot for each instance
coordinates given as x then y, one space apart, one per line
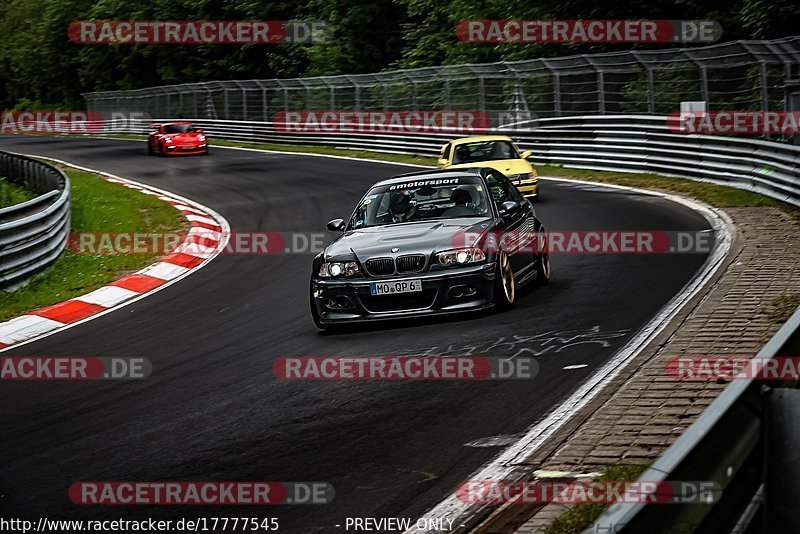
421 200
179 128
483 151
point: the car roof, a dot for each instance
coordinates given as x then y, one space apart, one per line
479 138
432 174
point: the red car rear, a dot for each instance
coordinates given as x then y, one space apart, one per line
170 138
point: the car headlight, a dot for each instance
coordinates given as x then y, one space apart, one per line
338 268
201 137
461 256
519 177
168 139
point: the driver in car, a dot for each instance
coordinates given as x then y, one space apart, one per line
462 197
402 207
464 206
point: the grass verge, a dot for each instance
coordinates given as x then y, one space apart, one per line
97 206
11 194
783 307
581 516
716 195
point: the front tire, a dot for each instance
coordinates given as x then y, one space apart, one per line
505 285
150 148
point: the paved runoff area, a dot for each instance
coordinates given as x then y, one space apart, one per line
646 409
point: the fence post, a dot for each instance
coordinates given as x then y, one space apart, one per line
414 97
356 92
704 82
194 99
481 94
764 93
601 91
264 112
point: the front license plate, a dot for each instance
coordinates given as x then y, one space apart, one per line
395 287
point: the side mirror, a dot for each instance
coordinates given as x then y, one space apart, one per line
199 130
507 207
527 154
336 225
442 163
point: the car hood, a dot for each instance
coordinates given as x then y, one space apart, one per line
423 237
506 166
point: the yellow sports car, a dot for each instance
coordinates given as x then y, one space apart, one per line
495 151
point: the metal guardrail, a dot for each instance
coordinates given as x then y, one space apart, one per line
33 233
630 143
747 441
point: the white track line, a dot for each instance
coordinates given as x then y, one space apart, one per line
166 271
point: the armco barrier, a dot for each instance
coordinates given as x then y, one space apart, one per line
748 442
631 143
33 233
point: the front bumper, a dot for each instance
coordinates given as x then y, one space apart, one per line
528 188
444 292
186 150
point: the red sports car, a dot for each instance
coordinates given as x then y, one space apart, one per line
176 138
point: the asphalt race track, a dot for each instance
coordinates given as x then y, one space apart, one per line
213 410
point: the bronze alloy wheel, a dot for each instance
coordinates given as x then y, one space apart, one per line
543 270
507 278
